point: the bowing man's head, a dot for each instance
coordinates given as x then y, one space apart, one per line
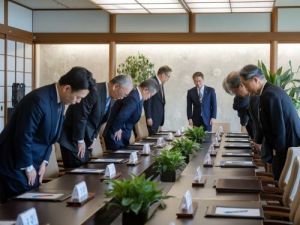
232 85
75 85
148 88
120 86
252 78
164 74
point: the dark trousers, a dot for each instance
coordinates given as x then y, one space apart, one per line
71 160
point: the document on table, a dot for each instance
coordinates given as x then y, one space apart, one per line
108 160
87 170
41 196
7 222
238 212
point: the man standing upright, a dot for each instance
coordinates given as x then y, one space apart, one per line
26 141
277 114
155 106
83 120
201 103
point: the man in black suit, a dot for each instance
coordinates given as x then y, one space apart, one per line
155 106
83 120
201 103
26 141
126 113
277 114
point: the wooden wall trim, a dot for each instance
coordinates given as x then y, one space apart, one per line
112 60
192 23
88 38
3 29
112 23
274 43
19 35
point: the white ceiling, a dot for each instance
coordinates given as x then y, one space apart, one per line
162 6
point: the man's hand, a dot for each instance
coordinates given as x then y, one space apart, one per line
149 122
81 149
118 135
42 171
31 176
191 122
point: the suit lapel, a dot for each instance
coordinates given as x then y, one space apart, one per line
160 91
54 112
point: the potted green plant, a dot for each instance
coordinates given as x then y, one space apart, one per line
135 196
167 163
138 67
186 146
285 80
196 134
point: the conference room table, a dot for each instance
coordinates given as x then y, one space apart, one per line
94 211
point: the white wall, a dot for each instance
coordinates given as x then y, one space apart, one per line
19 17
288 20
81 21
236 22
152 23
2 11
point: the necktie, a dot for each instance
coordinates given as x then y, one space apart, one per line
108 100
200 96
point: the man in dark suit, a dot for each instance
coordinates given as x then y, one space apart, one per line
26 141
155 106
277 114
83 120
201 103
126 113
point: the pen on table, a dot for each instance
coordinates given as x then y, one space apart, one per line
236 211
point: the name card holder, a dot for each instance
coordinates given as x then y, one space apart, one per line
110 173
187 208
80 195
133 159
146 150
199 180
29 217
208 161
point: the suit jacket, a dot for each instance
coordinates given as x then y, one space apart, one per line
280 123
155 109
202 113
83 120
124 115
28 137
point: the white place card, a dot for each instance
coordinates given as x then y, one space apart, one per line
133 158
221 130
183 129
146 149
160 142
187 201
80 192
178 132
218 137
170 136
207 159
212 149
29 217
198 174
110 171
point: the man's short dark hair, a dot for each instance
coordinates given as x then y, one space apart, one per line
79 78
151 84
251 71
198 74
164 70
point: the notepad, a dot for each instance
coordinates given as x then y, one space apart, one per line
242 140
108 160
43 196
224 163
236 154
238 185
238 212
123 151
7 222
237 135
237 145
87 171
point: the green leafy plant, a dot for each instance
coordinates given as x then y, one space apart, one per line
285 80
196 134
135 195
138 67
185 146
168 161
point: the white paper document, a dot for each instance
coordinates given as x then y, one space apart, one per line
87 170
40 196
246 212
238 162
107 160
7 222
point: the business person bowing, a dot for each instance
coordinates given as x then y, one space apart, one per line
26 141
83 120
201 103
277 114
155 106
125 114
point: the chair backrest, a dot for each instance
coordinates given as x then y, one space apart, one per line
141 128
295 211
289 189
292 153
97 151
101 138
225 125
52 170
58 152
132 138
